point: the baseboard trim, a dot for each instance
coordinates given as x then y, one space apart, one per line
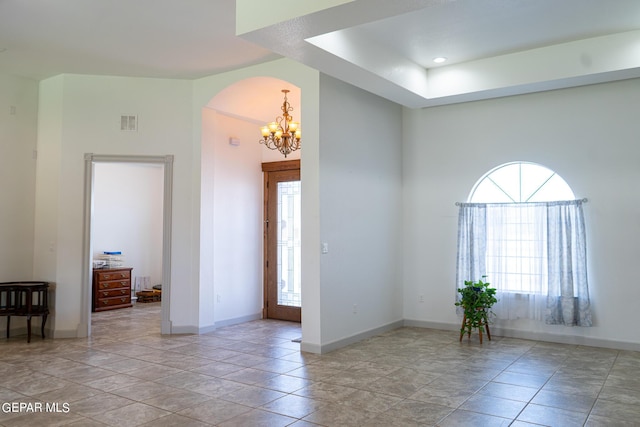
236 320
184 330
61 333
431 325
343 342
536 336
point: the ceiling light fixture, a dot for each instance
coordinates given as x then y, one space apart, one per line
283 134
439 59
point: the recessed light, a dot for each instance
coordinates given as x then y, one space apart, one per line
439 59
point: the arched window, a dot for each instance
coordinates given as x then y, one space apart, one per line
520 182
524 231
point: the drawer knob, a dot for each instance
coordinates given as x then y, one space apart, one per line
123 299
105 285
107 276
105 302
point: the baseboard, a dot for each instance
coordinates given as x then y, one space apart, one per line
61 333
35 332
310 348
191 329
535 336
343 342
431 325
565 339
236 320
183 330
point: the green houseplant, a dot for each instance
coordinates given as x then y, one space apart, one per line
476 300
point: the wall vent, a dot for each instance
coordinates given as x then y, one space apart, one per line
129 123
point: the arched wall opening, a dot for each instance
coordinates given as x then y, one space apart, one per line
231 222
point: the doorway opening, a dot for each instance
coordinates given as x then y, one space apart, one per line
282 243
231 211
92 162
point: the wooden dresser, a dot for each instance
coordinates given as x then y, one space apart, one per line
111 288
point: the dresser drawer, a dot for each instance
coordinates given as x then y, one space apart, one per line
112 301
114 292
114 275
116 284
111 289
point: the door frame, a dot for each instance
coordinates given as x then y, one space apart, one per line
89 160
284 165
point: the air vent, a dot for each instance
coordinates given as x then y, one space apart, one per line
129 123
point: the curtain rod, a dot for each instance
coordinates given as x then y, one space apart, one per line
583 200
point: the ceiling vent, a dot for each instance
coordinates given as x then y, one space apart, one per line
129 123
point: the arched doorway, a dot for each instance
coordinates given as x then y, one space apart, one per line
232 199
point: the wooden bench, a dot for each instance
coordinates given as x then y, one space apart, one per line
24 299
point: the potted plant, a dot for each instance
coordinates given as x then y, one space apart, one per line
476 300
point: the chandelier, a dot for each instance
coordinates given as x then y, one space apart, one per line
283 134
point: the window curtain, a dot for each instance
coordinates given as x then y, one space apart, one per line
568 301
534 254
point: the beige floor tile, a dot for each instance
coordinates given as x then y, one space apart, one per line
252 373
616 410
286 383
427 414
132 415
257 417
546 415
461 418
215 411
572 402
252 396
250 376
294 406
175 420
177 400
491 405
333 414
98 404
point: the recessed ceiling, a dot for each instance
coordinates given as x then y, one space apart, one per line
494 47
468 30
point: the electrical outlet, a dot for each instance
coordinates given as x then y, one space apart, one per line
355 308
218 298
421 298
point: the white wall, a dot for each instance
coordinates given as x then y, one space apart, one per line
81 114
18 124
588 135
237 220
361 202
127 216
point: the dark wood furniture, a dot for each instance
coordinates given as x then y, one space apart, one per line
111 288
24 299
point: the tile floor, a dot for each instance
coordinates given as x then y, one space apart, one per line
254 375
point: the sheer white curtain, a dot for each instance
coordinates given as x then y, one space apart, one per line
534 254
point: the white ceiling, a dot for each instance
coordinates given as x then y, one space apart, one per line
467 30
383 46
184 39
